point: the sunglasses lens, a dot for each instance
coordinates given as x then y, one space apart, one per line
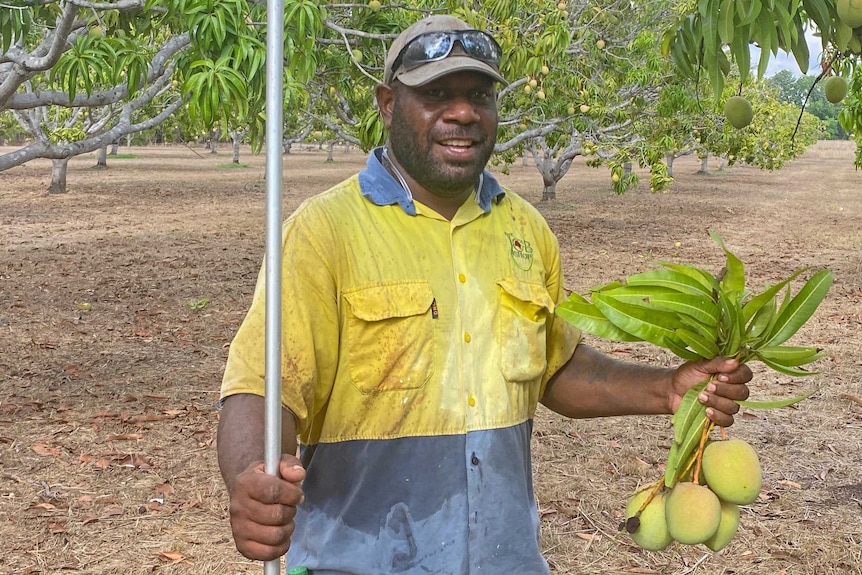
435 46
480 46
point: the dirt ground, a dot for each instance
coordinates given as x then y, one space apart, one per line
118 301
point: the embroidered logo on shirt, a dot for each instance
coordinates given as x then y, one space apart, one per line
521 251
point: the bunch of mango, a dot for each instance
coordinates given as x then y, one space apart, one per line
693 512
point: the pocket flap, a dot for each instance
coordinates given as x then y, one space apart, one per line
380 302
534 293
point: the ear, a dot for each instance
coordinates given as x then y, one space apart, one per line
385 96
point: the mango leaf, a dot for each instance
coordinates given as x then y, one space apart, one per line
685 415
704 277
753 305
733 282
649 325
785 369
670 279
697 306
731 338
689 430
585 316
776 403
800 309
698 344
789 355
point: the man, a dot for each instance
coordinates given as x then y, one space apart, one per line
418 337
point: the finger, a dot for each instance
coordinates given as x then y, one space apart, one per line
257 513
265 544
719 409
731 391
291 469
742 374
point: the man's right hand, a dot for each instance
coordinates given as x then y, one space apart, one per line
262 508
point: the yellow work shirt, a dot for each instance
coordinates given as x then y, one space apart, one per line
407 337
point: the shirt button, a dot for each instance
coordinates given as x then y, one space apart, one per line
462 278
467 337
471 401
474 460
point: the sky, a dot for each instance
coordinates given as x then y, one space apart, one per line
786 61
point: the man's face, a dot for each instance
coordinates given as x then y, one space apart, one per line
443 133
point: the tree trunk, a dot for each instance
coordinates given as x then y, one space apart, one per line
236 150
58 176
101 159
329 156
669 161
286 146
704 165
549 190
627 168
115 148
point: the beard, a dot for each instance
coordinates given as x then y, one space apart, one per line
413 151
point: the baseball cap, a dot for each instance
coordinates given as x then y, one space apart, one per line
456 61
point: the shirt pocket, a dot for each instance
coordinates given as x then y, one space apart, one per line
390 336
524 311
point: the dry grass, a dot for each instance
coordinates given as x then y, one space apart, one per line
117 301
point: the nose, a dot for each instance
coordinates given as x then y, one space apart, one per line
461 109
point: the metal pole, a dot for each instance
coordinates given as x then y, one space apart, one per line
274 131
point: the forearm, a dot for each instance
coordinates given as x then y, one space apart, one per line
241 435
594 385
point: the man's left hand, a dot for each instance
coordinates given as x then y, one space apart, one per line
727 385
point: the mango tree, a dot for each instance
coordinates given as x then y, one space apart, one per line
709 35
132 63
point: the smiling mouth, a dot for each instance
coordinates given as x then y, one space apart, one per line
457 143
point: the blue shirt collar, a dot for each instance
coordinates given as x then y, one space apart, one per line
382 189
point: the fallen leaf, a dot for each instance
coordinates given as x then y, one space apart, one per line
589 536
790 483
90 519
135 461
43 505
172 556
855 399
641 570
112 512
125 437
45 450
56 527
164 489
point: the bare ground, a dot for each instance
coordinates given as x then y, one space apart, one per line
118 301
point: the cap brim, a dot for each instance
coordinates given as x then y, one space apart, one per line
433 70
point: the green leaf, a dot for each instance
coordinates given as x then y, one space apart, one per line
800 309
753 305
670 279
785 369
685 415
680 451
698 344
775 404
697 306
733 282
647 324
730 339
586 317
706 279
789 355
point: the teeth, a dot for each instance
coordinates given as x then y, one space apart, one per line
461 143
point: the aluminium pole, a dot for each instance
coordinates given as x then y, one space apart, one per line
274 132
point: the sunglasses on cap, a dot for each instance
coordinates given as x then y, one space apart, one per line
434 46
